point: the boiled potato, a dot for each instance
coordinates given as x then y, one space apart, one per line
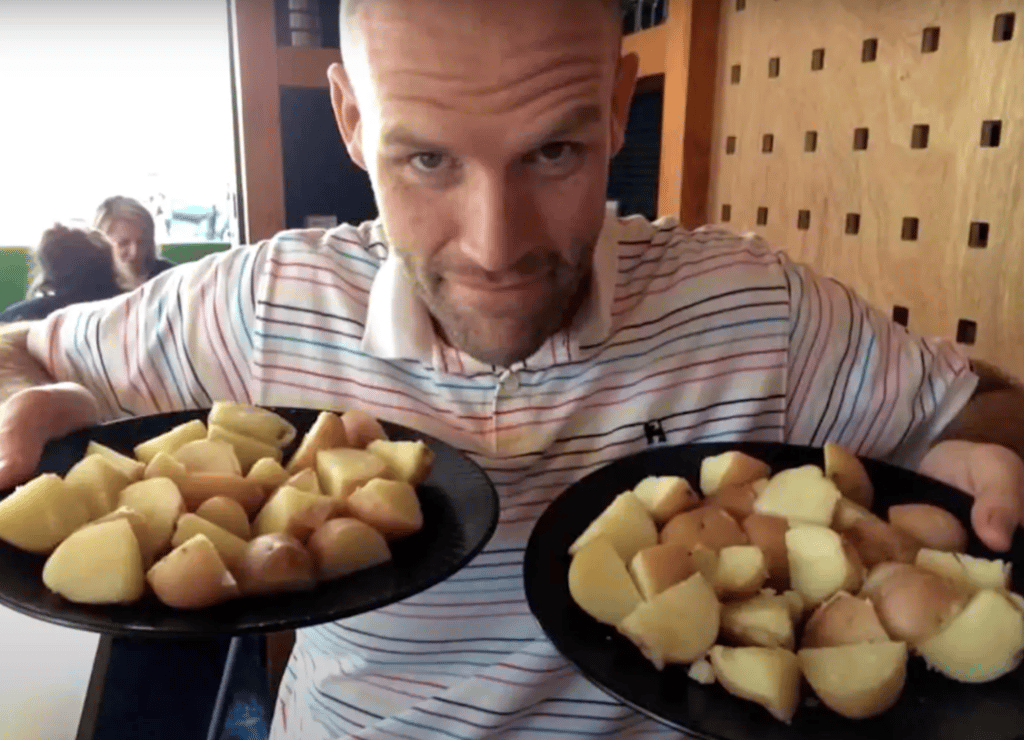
275 563
159 502
231 548
197 488
734 571
665 496
361 429
342 471
800 495
389 506
933 527
252 421
769 533
913 604
99 564
228 514
208 456
39 514
982 643
797 605
268 473
599 583
761 621
738 500
701 672
407 461
766 676
657 567
856 681
679 625
877 542
294 512
342 546
847 514
843 620
849 475
709 526
96 481
138 524
975 573
626 523
820 563
327 433
132 469
192 576
248 449
164 465
305 480
170 441
730 469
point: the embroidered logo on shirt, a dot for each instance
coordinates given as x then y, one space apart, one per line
654 432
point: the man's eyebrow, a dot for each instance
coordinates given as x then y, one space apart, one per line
403 137
576 119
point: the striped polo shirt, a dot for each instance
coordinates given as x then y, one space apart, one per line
687 336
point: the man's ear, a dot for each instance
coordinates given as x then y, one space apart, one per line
625 86
346 113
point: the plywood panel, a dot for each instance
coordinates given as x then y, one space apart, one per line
946 185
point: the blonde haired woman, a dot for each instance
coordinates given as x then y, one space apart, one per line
130 228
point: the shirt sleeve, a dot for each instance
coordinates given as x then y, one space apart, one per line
860 380
180 341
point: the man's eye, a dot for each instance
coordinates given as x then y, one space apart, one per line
556 153
428 161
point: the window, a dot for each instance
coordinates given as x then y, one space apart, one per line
115 103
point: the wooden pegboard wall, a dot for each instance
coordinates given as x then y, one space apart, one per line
882 141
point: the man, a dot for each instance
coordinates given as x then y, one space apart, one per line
497 305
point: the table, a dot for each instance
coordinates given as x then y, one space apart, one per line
47 671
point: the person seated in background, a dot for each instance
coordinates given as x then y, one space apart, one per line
72 265
130 227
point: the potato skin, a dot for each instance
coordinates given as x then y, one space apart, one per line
933 527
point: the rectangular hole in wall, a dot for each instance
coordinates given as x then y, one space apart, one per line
818 60
852 224
762 216
730 144
811 141
734 74
773 67
803 220
860 139
1003 30
966 331
869 52
767 143
919 136
930 40
901 315
991 133
979 235
910 229
726 213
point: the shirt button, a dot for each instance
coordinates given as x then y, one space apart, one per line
511 382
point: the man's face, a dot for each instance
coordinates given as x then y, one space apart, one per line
487 128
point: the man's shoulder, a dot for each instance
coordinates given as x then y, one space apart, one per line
362 244
663 258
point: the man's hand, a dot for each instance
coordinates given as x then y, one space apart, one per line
32 417
993 475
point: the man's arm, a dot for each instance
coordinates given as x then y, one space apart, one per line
995 413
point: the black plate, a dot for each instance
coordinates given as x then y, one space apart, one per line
931 708
460 512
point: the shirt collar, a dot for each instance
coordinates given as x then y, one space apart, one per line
399 327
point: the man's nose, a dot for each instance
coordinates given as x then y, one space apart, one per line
497 222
